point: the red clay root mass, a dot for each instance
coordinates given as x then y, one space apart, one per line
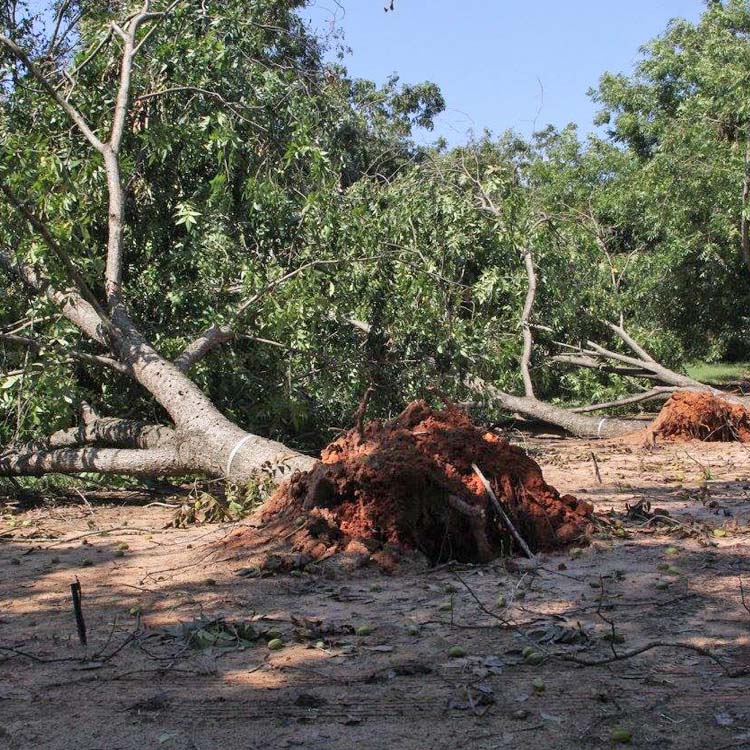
409 484
690 415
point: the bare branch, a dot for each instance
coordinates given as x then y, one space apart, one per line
660 392
76 117
94 52
160 17
233 107
589 362
39 346
200 347
630 341
58 21
598 357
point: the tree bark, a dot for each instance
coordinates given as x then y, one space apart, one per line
154 462
578 425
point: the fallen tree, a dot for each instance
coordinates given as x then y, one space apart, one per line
199 438
638 363
531 407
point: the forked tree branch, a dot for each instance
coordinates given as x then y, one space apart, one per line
642 365
109 432
111 150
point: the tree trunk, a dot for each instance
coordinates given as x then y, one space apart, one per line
202 440
578 425
206 439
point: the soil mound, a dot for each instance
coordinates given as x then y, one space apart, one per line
408 484
691 415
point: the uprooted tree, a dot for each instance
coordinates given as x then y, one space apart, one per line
636 363
202 439
148 105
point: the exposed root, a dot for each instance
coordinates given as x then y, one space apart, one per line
409 484
691 415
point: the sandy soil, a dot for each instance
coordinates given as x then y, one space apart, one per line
151 678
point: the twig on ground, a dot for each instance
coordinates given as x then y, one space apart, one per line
54 542
596 467
482 607
733 673
109 639
601 616
39 659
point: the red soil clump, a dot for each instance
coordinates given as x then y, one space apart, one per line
701 415
408 484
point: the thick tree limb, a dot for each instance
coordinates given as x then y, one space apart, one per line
630 341
576 424
658 393
111 150
73 306
197 349
101 432
154 462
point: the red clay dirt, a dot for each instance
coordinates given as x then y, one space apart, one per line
408 484
691 415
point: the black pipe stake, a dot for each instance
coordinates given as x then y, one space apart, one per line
75 590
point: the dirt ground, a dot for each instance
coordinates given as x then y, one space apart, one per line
177 652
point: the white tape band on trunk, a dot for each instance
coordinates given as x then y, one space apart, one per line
233 453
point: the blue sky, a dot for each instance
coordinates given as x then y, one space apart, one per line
500 64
